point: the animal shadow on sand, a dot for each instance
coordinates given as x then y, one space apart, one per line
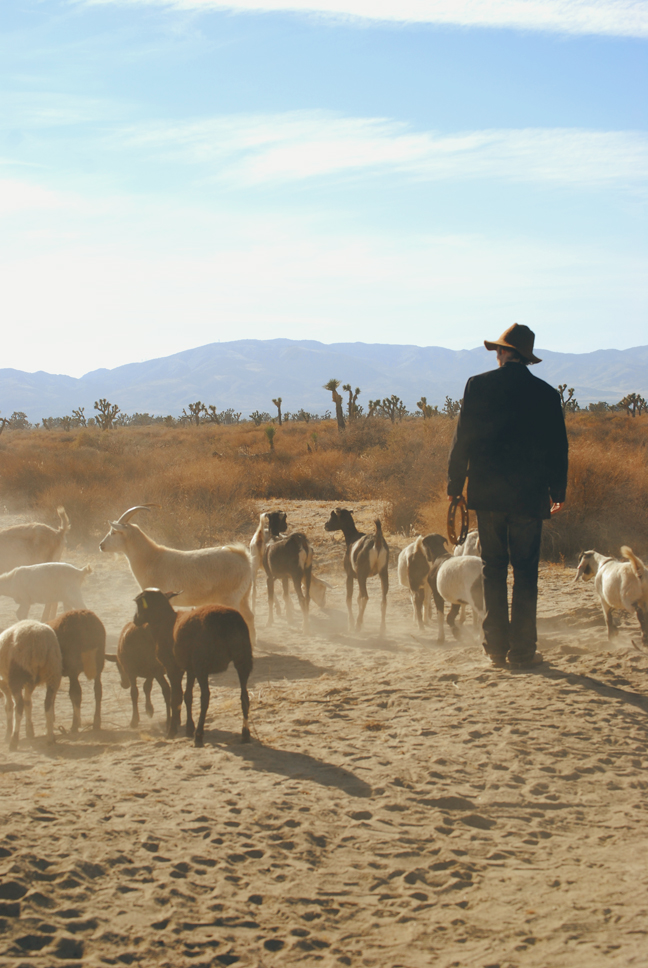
274 665
288 763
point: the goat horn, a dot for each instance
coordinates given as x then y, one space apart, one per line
127 515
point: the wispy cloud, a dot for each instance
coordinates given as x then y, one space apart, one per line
613 17
22 196
256 150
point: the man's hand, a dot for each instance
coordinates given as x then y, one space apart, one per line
555 508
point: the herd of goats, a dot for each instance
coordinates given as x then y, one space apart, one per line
162 644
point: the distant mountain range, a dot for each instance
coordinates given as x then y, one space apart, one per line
247 374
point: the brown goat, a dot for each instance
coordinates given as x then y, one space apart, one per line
200 642
82 638
136 659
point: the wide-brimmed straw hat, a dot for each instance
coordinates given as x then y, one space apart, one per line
519 338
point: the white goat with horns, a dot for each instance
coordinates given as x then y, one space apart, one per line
207 576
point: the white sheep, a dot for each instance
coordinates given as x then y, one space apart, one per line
457 580
207 576
49 583
29 656
618 584
471 546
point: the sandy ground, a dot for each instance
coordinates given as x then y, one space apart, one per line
401 804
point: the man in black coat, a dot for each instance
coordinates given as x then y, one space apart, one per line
511 443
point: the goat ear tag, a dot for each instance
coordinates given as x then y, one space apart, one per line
144 603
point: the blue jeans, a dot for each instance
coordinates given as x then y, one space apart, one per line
510 537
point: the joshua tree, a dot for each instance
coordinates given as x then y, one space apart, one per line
270 434
451 407
333 385
353 396
569 404
79 416
426 409
195 411
633 404
106 413
277 404
3 423
393 407
259 417
211 414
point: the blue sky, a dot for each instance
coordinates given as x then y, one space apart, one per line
421 171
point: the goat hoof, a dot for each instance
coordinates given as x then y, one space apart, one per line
245 735
13 745
199 741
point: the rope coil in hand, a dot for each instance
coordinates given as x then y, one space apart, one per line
457 504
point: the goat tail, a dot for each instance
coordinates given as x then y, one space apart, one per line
418 544
636 564
63 518
379 540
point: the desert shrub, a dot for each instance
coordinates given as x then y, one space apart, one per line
208 479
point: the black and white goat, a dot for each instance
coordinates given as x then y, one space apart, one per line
285 559
199 642
366 555
414 563
272 525
618 584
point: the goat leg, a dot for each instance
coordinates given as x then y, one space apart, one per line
50 697
9 705
75 699
203 682
643 623
134 691
166 692
363 598
452 614
384 581
188 699
19 705
611 628
148 705
303 601
270 585
349 600
176 705
98 694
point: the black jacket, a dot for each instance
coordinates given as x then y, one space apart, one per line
511 443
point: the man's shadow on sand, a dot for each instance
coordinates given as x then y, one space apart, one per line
587 682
